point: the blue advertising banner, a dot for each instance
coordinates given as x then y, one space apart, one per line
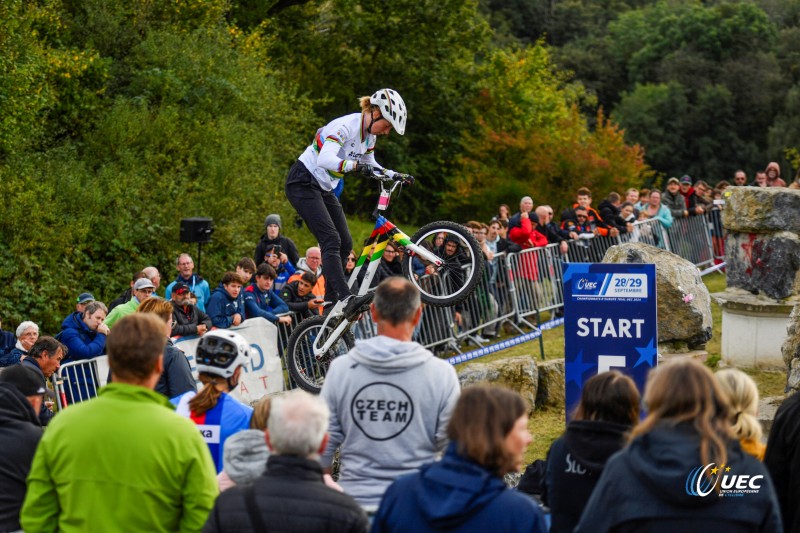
609 323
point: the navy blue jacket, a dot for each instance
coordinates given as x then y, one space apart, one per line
82 342
645 487
221 307
12 357
574 464
266 305
455 494
7 342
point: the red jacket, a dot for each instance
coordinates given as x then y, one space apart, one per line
526 236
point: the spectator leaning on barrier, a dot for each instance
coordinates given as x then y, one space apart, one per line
583 198
142 290
390 399
45 358
760 180
21 395
553 233
610 213
220 356
196 284
293 480
187 319
176 378
693 207
27 333
226 305
272 237
126 296
465 491
298 296
673 200
655 209
85 337
260 300
773 172
740 178
521 226
246 268
703 191
155 473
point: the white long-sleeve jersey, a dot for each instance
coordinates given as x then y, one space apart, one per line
336 149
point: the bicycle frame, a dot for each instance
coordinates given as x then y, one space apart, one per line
373 250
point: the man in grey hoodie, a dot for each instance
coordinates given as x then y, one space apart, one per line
390 399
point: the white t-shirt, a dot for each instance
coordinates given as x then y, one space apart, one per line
336 149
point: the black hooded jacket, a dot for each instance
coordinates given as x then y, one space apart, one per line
20 433
646 487
574 464
287 246
783 460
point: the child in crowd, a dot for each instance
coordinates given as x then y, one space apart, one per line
226 305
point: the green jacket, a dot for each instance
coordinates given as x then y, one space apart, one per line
122 310
123 461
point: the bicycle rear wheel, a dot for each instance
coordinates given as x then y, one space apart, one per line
306 370
454 280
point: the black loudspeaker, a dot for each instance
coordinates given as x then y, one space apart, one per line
197 229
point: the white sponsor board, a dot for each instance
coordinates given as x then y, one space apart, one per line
264 374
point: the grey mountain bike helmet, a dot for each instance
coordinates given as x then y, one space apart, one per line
221 352
392 108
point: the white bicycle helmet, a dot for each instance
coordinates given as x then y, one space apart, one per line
221 352
392 108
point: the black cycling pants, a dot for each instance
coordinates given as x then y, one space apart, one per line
323 214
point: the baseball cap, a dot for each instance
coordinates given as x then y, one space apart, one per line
180 288
85 298
25 379
673 180
143 283
686 179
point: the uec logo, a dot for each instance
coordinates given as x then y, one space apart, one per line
702 480
584 283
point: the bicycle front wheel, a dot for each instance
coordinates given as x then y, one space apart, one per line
306 370
462 264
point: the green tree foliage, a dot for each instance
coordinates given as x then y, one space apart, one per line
533 141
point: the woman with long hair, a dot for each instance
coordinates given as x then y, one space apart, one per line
608 409
683 470
221 356
743 396
465 490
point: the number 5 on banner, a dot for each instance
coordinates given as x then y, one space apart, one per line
607 362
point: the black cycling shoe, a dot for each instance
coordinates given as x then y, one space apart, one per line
357 304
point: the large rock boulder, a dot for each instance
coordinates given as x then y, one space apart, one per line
761 210
684 305
769 263
791 349
551 391
516 373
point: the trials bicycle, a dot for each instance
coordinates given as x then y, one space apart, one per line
443 260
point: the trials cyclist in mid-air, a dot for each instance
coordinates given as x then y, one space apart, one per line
344 145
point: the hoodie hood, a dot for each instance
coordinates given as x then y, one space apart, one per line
72 321
221 289
592 443
15 407
386 355
452 490
663 459
775 166
605 204
302 265
245 456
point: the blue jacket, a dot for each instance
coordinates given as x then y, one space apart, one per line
455 494
284 271
221 307
7 342
197 285
82 342
266 305
12 357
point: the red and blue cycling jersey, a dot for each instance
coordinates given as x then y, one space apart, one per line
226 418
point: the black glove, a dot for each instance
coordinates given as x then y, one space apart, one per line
405 179
368 171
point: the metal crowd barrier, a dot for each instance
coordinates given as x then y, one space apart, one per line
79 380
690 238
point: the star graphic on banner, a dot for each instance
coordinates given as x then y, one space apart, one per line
575 369
647 354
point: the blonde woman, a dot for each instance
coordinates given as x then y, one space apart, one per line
743 396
